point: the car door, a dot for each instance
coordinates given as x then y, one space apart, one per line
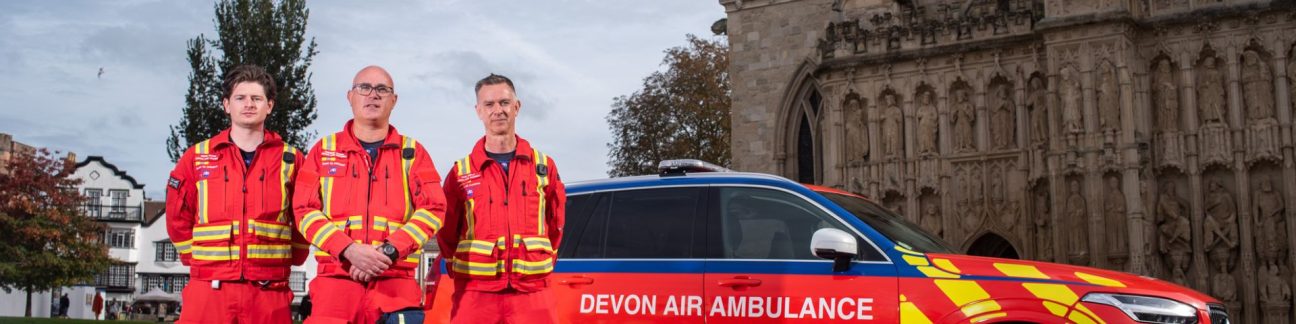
633 259
762 269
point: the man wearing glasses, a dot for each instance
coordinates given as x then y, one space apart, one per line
368 198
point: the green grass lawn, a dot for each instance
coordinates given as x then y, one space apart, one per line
33 320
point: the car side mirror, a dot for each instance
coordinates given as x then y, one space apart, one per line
836 245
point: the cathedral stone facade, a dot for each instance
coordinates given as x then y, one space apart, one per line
1149 136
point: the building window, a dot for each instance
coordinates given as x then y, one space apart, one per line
118 202
297 281
94 202
118 276
120 238
166 252
168 283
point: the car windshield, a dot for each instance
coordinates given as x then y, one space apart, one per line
894 227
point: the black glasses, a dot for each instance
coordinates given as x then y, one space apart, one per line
364 89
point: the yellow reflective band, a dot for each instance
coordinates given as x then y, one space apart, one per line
215 253
406 164
285 175
541 182
322 236
1099 280
326 193
269 251
282 232
533 267
468 218
477 268
472 246
415 232
413 257
538 243
310 219
380 223
1020 271
945 264
427 218
201 185
968 295
183 247
214 233
322 253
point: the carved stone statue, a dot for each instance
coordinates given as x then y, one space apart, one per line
964 121
1076 216
973 202
1166 98
856 129
1003 126
1220 228
1223 285
1210 93
1037 104
892 127
1257 87
1275 294
1072 117
927 124
1108 100
931 219
1174 232
1043 225
1114 218
1271 226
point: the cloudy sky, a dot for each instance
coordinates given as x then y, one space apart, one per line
568 58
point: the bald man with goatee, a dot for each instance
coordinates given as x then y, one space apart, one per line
368 198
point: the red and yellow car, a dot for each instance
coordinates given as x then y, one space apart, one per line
728 247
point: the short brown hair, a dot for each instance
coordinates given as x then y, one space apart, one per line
249 73
494 79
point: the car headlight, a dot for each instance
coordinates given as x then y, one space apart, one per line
1147 309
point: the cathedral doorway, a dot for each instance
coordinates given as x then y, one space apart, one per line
993 245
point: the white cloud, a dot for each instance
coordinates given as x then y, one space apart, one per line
568 59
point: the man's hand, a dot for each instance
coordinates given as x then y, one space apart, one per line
366 259
359 276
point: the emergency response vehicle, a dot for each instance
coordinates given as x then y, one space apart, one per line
695 246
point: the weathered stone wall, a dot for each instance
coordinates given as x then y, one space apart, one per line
1145 136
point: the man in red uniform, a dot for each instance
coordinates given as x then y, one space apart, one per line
505 206
228 214
369 199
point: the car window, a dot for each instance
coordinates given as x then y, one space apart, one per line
579 208
891 225
762 223
642 224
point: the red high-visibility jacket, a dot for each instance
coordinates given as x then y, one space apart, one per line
344 197
499 233
229 221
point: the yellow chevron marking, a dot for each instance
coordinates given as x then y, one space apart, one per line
1020 271
906 251
1099 280
910 313
988 317
966 292
1058 310
915 260
945 264
933 272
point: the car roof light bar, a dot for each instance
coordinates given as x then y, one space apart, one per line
684 166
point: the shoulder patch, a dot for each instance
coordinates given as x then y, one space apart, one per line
289 157
407 153
542 170
173 183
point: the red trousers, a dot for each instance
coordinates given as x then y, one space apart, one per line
509 306
235 302
339 300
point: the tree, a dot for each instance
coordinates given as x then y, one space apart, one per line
49 242
261 32
682 112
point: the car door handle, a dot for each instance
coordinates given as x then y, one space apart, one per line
739 282
578 280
